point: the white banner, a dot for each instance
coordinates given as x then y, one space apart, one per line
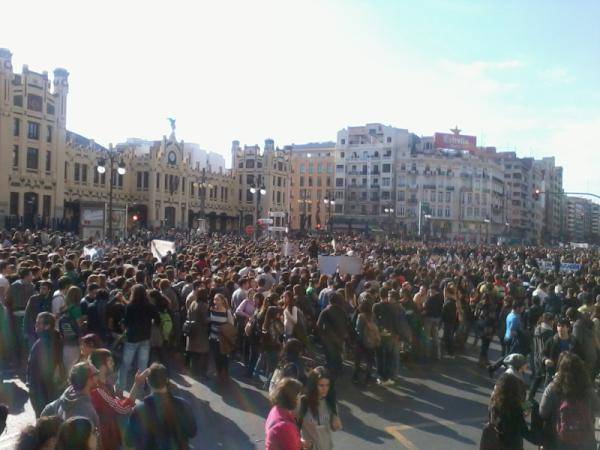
347 264
161 248
282 229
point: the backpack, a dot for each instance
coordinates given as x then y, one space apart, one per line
490 438
166 325
575 422
371 337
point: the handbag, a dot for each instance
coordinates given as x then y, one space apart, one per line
188 327
490 438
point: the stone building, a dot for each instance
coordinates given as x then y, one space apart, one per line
50 175
267 170
311 187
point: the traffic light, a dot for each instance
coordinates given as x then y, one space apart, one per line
536 194
135 218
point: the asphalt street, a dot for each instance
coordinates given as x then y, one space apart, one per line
433 406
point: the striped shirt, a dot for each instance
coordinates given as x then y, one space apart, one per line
217 319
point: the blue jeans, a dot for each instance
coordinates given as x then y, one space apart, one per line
131 350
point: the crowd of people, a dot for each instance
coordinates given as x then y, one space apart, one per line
97 330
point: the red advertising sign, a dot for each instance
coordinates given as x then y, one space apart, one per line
455 141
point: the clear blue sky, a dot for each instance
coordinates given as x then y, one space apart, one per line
521 75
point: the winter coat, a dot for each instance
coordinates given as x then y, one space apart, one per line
541 337
161 422
585 342
549 406
72 403
281 430
197 341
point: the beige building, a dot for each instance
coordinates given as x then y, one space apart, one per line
551 188
263 171
311 187
579 219
32 141
52 177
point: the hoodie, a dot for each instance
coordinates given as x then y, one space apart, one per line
72 403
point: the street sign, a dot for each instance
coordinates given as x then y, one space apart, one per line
282 229
276 214
265 221
249 230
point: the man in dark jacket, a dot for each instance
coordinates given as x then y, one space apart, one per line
45 361
37 303
584 341
333 328
162 421
387 315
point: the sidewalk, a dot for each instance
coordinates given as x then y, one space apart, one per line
14 394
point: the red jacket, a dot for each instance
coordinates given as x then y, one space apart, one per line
281 430
109 406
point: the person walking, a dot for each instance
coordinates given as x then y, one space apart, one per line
281 428
139 315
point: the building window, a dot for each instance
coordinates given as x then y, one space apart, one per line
386 168
183 185
66 170
310 181
447 212
14 203
301 181
250 179
34 102
49 134
146 180
447 197
77 172
17 127
84 173
157 181
18 100
432 196
15 156
339 182
401 195
46 206
50 109
33 130
248 196
119 180
139 180
49 161
250 164
32 158
440 197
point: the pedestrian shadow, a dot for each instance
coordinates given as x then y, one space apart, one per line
215 431
356 427
13 396
246 399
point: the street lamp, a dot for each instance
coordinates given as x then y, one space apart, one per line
390 212
202 186
111 158
331 203
255 190
487 230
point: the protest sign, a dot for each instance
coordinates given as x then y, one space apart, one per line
161 248
347 264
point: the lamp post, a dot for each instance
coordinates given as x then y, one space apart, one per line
487 230
109 162
257 192
202 186
331 203
390 212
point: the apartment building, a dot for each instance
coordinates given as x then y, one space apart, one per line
265 170
551 198
312 193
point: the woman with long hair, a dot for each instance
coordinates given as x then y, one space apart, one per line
219 314
506 413
290 363
197 346
281 429
569 405
77 433
271 339
139 316
70 325
318 415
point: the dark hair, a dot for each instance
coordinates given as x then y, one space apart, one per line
47 319
138 295
285 394
572 379
312 391
33 437
74 434
507 394
99 356
157 376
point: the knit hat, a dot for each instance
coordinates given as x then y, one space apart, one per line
515 360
